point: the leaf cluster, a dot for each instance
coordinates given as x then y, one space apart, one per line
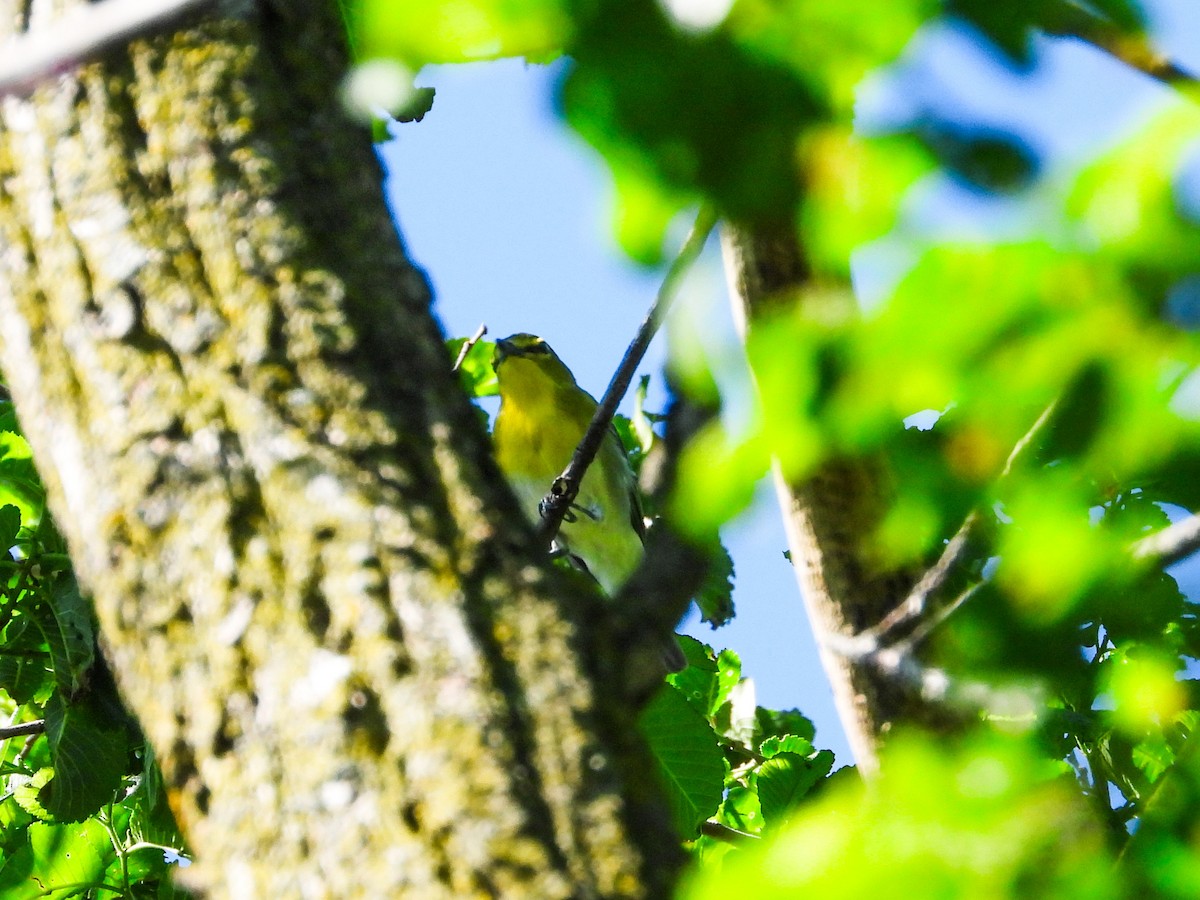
733 771
1033 394
82 807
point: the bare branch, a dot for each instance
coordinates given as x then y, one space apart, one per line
724 833
914 605
938 615
935 685
935 577
83 35
1172 544
37 726
965 696
468 344
566 486
1133 49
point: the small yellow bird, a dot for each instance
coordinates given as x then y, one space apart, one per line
543 415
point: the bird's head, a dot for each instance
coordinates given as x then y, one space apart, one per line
526 357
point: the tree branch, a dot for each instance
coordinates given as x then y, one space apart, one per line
673 568
84 35
1133 49
1174 543
467 345
566 487
37 726
724 833
915 604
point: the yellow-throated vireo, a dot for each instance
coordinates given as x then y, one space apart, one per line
543 415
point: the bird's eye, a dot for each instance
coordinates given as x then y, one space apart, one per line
539 347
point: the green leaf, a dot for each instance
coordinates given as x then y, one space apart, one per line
741 809
138 824
729 675
679 114
418 105
8 417
475 373
444 31
24 676
90 756
735 720
787 743
715 597
10 524
20 485
782 724
639 422
57 861
784 780
33 794
150 817
697 682
65 620
690 761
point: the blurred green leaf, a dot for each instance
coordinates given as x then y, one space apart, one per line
443 31
715 481
678 114
987 821
831 47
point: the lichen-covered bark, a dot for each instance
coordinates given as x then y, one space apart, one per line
280 501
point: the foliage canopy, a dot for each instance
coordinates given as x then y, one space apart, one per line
1058 377
1057 370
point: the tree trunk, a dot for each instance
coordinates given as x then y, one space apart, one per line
313 589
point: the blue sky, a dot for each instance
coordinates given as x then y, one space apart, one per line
508 213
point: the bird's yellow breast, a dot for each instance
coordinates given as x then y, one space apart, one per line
542 418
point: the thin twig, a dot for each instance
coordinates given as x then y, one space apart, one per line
468 344
913 606
1172 544
11 731
1131 48
935 577
937 686
83 35
929 623
566 487
719 832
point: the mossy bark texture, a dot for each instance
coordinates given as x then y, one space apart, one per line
310 587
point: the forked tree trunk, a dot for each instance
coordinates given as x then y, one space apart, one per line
313 593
